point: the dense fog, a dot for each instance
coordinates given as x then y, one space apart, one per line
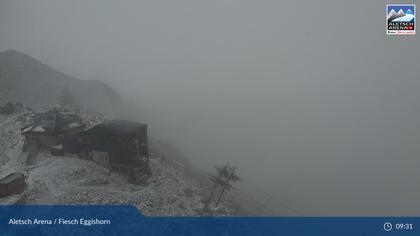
314 103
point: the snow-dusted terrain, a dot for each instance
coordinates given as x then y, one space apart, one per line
69 180
12 159
173 188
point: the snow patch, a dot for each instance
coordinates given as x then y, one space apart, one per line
73 125
39 129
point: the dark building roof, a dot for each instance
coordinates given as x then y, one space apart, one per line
10 178
121 127
54 122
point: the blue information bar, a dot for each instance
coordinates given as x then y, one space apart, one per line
127 220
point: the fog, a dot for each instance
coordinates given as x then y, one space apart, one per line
310 99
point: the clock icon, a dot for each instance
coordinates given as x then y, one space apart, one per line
387 226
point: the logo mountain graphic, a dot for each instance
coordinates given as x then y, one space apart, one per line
392 13
400 16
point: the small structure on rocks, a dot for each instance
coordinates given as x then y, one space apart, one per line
51 128
12 184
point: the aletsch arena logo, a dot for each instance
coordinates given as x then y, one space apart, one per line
401 19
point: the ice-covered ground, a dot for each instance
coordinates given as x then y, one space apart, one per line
171 190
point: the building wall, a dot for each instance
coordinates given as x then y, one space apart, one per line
41 140
101 158
46 141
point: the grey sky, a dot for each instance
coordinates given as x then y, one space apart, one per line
310 99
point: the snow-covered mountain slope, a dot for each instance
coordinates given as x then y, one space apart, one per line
69 180
26 80
173 189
